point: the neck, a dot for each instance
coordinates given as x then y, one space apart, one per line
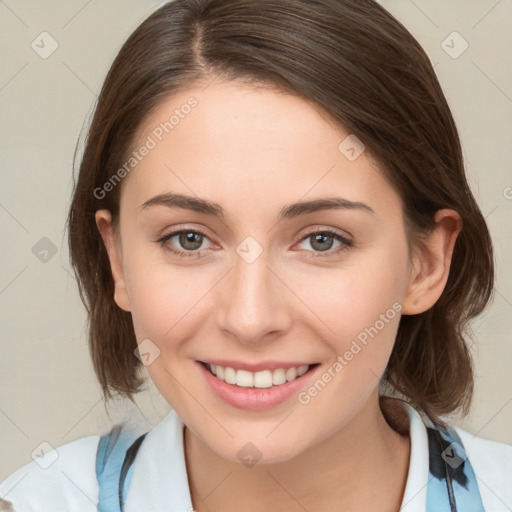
361 467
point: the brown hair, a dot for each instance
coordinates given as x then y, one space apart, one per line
350 58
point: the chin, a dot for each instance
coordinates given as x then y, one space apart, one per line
250 450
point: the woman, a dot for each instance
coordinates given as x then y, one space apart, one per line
272 219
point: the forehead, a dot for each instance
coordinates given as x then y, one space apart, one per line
232 142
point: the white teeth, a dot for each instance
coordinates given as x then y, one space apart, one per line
301 370
230 375
291 373
244 379
263 379
278 377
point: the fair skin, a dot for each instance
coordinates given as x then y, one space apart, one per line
253 151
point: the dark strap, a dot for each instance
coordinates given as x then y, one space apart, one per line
124 482
452 484
114 459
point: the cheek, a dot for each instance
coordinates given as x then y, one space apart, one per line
168 301
162 298
360 305
360 309
166 304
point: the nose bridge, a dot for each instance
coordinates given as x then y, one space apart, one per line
253 304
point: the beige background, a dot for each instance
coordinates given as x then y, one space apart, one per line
48 389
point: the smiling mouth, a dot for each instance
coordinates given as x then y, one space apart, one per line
261 379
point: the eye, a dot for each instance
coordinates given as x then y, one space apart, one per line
323 241
184 242
191 242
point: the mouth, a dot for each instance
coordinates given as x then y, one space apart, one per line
263 379
272 384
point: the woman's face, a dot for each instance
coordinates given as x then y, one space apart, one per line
303 260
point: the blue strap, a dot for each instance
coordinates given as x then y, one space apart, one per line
114 467
452 484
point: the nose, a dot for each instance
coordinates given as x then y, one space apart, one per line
254 303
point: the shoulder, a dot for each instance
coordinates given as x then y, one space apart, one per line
492 464
63 478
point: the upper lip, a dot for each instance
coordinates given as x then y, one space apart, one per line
256 367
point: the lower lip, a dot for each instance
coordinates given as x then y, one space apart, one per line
254 399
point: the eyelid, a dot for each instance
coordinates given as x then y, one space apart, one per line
345 241
180 228
327 229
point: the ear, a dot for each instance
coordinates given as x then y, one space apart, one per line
431 264
104 223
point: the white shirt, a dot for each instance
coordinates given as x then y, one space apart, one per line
69 483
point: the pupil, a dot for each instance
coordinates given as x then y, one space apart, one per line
190 241
322 239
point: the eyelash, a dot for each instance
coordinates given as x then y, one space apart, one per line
345 243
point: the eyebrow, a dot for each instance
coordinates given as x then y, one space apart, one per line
287 212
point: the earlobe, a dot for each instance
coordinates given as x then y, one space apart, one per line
431 264
104 223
